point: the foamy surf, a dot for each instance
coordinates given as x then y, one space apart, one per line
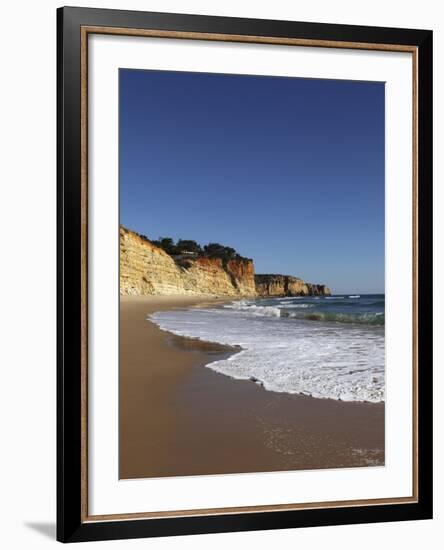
293 309
325 359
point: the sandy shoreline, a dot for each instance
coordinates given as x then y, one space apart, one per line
177 417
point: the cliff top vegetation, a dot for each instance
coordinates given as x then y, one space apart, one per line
188 247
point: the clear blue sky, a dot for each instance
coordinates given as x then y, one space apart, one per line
289 172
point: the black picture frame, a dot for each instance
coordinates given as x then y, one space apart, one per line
71 523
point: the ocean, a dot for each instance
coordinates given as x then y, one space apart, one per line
325 347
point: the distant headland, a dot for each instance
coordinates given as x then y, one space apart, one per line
165 267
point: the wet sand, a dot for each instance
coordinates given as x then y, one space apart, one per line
177 417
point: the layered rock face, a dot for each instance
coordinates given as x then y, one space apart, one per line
146 269
287 285
318 290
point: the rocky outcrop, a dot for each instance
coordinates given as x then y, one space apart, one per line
146 269
318 290
287 285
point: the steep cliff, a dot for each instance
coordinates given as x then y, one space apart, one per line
318 290
287 285
147 269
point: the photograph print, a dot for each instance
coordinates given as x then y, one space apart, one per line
252 295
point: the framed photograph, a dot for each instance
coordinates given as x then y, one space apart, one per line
244 274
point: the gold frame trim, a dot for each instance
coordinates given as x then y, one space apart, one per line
85 32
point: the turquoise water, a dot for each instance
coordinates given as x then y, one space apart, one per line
367 309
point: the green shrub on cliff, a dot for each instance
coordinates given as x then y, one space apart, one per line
188 246
167 244
216 250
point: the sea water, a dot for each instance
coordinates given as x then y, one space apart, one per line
325 347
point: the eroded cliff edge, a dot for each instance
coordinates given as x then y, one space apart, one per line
287 285
146 269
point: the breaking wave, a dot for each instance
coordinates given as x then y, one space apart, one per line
286 310
341 356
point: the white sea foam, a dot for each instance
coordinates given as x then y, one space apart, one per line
320 359
283 305
244 305
291 309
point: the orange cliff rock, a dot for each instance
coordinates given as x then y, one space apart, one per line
146 269
287 285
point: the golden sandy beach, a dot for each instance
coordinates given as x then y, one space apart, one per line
178 417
